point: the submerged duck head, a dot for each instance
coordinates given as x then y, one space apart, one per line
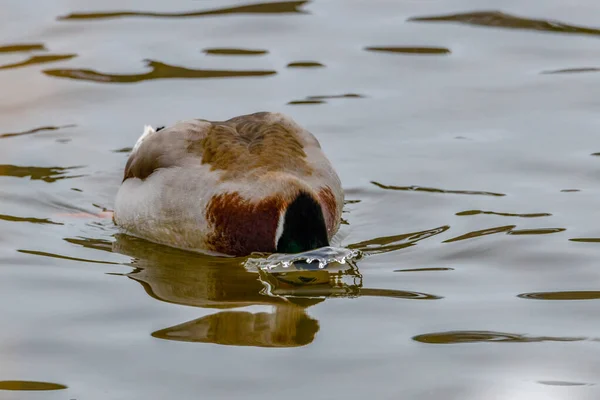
303 226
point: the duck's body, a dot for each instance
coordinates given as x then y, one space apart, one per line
254 183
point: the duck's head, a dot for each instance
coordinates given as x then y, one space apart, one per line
302 226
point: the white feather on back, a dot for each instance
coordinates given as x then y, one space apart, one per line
148 130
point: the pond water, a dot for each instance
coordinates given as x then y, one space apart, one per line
467 140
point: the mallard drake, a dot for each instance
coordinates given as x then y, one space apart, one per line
254 183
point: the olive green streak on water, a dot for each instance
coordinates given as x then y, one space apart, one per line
391 243
305 102
21 48
539 231
34 60
59 256
337 96
46 174
454 337
158 71
282 7
571 71
498 19
234 52
91 243
30 386
35 130
409 50
586 240
424 269
507 229
564 383
566 295
435 190
482 232
477 212
11 218
305 64
321 98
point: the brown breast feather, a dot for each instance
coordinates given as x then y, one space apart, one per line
241 227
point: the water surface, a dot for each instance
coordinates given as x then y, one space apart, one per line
466 135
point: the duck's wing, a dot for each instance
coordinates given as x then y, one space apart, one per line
257 144
164 148
261 141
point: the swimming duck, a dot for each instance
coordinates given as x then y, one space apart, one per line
254 183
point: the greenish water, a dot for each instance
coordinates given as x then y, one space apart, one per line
467 140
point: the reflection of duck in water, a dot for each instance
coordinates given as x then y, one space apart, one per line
197 280
227 284
257 182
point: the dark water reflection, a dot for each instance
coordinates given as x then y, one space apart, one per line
18 48
435 190
486 336
409 50
282 7
234 52
498 19
34 60
477 212
305 64
46 174
575 295
158 71
30 386
197 280
35 130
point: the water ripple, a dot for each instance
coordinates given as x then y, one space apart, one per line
321 98
282 7
30 386
539 231
567 295
433 269
435 190
391 243
564 383
59 256
409 50
585 240
477 212
11 218
33 60
482 232
46 174
19 48
498 19
305 64
234 52
158 71
454 337
35 130
571 70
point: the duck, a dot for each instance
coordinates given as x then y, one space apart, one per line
255 183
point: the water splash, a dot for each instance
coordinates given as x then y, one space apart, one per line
309 260
316 274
